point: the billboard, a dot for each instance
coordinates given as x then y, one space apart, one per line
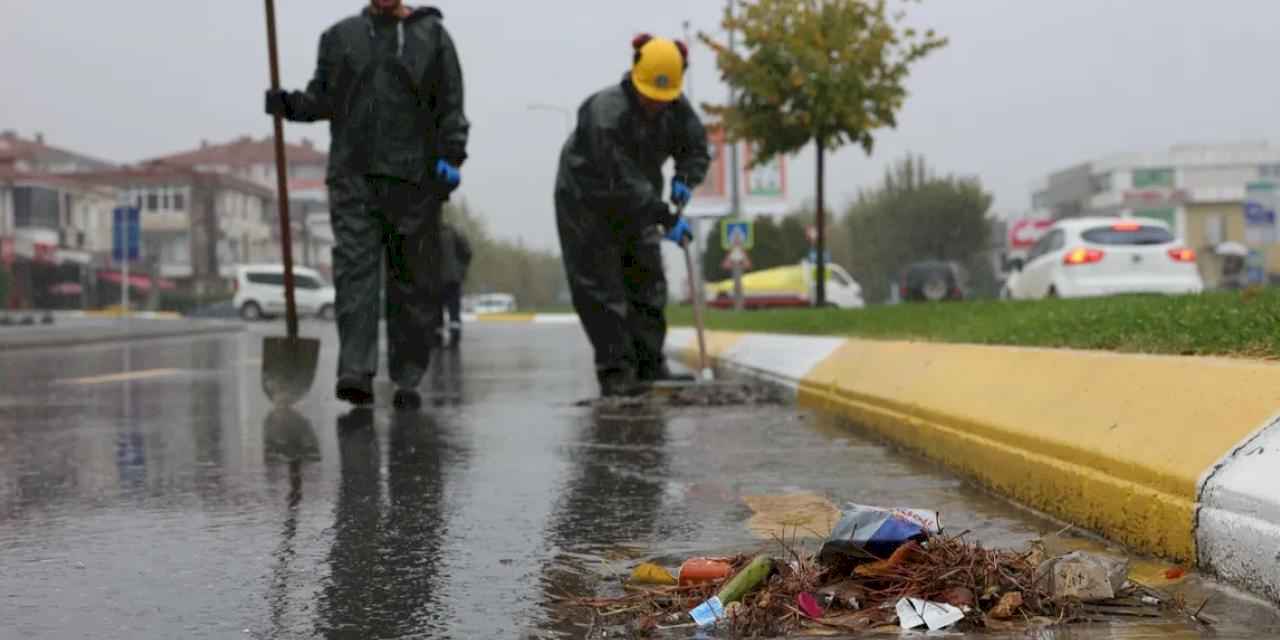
763 189
768 180
1025 233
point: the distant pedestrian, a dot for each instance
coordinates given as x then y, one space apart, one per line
389 83
455 259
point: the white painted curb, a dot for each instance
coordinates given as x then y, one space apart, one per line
781 359
537 318
1238 527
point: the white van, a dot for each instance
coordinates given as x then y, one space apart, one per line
490 303
259 292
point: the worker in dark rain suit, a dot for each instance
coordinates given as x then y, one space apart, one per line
389 83
609 204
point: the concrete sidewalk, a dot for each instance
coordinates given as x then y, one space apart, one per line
78 331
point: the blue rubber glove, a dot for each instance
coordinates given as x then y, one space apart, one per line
680 233
680 192
447 173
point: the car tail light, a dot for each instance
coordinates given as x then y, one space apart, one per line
235 285
1183 255
1078 257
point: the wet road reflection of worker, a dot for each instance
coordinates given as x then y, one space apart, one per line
613 498
385 561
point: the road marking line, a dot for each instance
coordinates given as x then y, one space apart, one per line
120 377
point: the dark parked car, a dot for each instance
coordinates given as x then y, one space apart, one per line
933 281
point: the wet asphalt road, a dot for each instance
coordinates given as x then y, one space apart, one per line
149 491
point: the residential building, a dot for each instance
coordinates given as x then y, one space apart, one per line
196 225
54 228
1198 189
253 160
33 155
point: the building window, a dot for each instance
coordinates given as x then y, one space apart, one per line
1269 171
1149 178
179 201
1102 183
153 201
164 202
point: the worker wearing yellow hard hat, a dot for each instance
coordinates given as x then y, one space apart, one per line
611 213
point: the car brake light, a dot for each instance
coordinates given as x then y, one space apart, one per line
1082 256
1126 226
1183 255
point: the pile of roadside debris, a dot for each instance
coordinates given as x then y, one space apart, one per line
710 394
881 568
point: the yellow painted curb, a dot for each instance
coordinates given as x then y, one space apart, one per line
506 317
116 312
1113 443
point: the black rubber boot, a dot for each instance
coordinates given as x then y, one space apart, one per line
620 385
661 373
356 390
407 399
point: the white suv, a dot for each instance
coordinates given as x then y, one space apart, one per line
260 292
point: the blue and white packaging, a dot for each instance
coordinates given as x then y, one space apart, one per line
708 613
874 532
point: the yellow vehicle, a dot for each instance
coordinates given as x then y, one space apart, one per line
790 286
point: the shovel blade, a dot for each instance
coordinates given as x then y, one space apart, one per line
288 368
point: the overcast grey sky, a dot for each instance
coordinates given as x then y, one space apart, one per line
1025 87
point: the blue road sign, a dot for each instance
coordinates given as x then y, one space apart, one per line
1255 213
737 233
126 234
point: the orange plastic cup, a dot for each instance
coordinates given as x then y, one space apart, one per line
700 570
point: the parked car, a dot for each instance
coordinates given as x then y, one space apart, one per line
933 281
489 303
1082 257
789 286
259 292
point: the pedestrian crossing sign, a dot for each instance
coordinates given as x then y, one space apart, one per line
737 233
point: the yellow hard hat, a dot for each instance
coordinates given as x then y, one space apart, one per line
658 71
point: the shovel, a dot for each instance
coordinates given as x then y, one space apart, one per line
695 293
288 363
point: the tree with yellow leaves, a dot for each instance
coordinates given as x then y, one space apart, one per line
827 72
